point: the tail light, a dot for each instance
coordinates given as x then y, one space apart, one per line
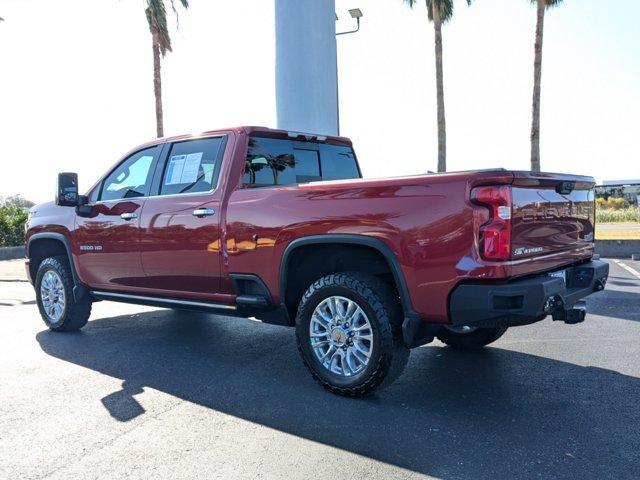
495 235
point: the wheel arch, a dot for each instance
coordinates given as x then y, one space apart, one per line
353 240
45 244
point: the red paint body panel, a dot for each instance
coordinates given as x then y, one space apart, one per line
180 252
428 222
107 246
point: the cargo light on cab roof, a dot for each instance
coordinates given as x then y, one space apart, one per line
307 136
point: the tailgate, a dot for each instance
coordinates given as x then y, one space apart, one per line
551 213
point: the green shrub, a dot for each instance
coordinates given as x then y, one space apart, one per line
12 220
625 215
612 203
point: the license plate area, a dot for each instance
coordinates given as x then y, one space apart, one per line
559 274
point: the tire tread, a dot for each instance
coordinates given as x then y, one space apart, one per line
388 314
78 312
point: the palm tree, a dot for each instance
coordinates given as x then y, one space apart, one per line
440 11
156 13
542 5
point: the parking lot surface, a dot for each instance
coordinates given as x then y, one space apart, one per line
150 393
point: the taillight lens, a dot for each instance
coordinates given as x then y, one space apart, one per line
495 235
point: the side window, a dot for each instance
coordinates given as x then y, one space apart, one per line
338 163
274 161
95 193
307 165
270 161
193 166
132 178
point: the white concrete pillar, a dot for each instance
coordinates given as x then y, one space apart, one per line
306 89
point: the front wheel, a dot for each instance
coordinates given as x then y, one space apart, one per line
468 337
348 330
54 295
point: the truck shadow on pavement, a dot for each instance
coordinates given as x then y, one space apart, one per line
490 414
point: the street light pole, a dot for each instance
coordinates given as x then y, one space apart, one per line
357 14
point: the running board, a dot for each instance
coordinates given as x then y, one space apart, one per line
161 302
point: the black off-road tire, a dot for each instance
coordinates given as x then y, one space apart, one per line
76 313
473 340
383 309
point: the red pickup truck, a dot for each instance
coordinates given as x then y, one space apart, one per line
280 226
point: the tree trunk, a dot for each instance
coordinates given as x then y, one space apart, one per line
157 84
442 128
537 79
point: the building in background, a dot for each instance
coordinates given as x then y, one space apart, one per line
629 190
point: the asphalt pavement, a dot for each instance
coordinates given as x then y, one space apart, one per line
150 393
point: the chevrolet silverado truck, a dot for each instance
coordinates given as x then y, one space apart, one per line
280 226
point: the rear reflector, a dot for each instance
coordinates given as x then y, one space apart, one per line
495 235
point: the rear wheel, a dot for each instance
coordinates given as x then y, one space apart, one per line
348 330
54 295
467 337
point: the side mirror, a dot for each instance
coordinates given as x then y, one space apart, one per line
67 190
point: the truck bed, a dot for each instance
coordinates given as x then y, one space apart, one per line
429 222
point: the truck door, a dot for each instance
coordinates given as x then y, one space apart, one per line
108 235
180 226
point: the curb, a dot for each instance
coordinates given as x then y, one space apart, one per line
617 248
11 253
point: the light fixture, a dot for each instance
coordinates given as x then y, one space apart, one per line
355 13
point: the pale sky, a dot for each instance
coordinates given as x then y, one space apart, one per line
76 85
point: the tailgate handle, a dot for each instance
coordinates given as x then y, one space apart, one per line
564 188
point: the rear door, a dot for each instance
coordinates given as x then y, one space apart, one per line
551 213
180 223
108 236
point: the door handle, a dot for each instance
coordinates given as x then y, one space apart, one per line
129 215
203 212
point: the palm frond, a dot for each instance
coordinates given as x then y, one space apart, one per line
446 7
185 4
549 3
157 18
156 12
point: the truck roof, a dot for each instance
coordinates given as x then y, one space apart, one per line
250 130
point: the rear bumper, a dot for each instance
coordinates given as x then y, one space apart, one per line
526 301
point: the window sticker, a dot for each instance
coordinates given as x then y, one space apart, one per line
174 169
183 169
191 168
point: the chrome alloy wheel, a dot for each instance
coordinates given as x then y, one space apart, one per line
52 295
461 328
341 336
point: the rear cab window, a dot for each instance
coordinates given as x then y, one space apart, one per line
276 161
